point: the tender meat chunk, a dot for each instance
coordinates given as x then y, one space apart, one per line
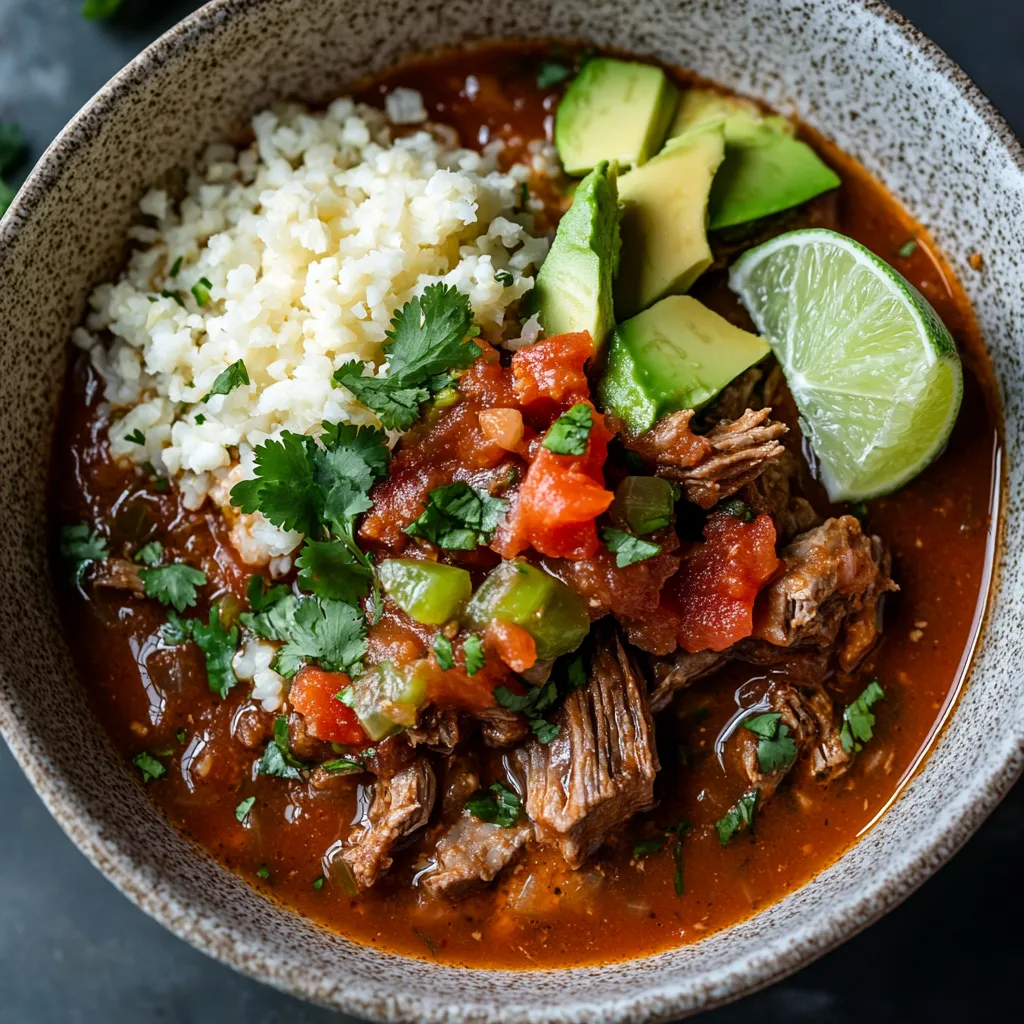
470 854
830 591
119 574
736 398
501 727
461 775
599 771
715 465
399 806
810 716
437 728
674 673
772 492
252 726
304 746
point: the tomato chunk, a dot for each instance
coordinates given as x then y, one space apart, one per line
714 591
552 370
312 696
513 644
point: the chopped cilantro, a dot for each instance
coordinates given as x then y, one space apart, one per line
739 817
135 437
263 872
430 336
235 376
568 434
858 719
859 510
200 419
443 651
426 940
541 699
176 630
504 278
680 829
180 735
176 266
776 750
473 649
330 569
908 248
644 847
150 767
261 597
80 545
344 766
243 809
277 759
273 616
329 632
201 293
498 805
218 646
173 584
458 517
150 554
627 548
173 293
318 883
738 510
551 73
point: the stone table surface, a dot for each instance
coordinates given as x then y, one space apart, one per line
74 951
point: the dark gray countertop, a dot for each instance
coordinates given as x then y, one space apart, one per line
73 950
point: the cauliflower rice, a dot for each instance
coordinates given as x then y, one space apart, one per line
310 239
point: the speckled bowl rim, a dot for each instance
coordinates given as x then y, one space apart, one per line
782 955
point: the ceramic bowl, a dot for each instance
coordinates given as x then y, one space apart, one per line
853 70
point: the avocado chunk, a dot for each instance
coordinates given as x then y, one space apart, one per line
676 355
766 170
614 110
574 285
664 220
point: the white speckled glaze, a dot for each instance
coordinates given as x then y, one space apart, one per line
856 72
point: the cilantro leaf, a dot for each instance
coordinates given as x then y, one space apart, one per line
330 632
329 569
544 730
858 719
150 554
284 490
776 750
176 266
738 510
498 805
655 844
150 767
135 437
344 765
569 433
551 73
176 630
539 700
473 649
173 584
429 337
80 545
738 818
100 10
273 763
275 621
218 646
201 293
443 651
243 809
261 597
458 517
680 829
628 549
235 376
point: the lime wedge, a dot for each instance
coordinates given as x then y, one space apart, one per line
874 371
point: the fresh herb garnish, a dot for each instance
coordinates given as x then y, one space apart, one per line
776 750
331 633
173 293
173 584
201 293
551 73
318 883
430 336
200 419
176 266
261 596
443 651
738 510
908 248
569 433
504 278
277 759
81 545
176 630
498 805
150 554
100 10
739 817
539 700
344 766
180 735
859 510
644 847
263 872
235 376
627 548
426 940
150 767
243 809
680 830
330 569
473 650
135 437
858 719
458 517
218 645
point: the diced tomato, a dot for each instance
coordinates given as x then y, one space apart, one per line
513 644
455 688
313 696
714 591
550 373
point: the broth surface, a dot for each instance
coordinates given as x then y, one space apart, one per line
540 914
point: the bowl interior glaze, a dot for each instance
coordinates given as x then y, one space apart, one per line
855 72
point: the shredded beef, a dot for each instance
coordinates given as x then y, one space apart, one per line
735 398
673 674
772 493
830 592
501 727
119 574
437 728
470 854
399 806
599 771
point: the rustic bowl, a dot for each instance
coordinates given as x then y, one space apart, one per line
854 70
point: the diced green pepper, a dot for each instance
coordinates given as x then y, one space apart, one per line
387 698
432 593
551 612
643 504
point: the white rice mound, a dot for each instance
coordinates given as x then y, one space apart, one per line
310 238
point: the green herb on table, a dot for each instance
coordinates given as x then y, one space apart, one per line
458 517
859 720
569 433
628 549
